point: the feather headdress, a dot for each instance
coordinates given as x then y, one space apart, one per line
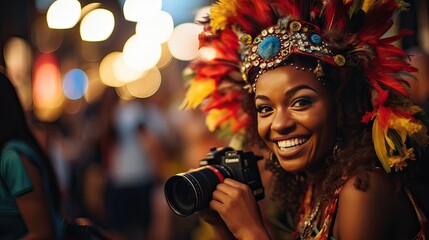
343 33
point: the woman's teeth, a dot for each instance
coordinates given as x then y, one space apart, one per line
291 143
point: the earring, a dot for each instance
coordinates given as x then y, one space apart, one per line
274 161
335 151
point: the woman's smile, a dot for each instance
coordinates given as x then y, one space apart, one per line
290 144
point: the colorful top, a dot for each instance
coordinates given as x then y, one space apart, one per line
14 182
323 234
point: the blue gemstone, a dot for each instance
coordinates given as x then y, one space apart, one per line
315 38
269 47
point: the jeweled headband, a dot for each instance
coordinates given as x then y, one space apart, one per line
276 43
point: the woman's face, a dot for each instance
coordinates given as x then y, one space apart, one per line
296 118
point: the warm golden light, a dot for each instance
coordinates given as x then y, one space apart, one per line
157 26
165 57
183 43
17 56
97 25
141 53
95 86
134 9
147 85
123 72
123 93
63 14
105 70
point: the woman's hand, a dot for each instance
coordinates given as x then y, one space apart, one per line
236 205
213 218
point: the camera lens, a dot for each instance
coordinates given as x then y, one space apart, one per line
189 192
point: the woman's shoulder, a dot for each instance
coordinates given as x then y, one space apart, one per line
375 203
367 192
368 181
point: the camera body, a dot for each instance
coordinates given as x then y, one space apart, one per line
242 166
192 191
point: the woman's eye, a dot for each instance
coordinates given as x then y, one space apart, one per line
263 109
302 102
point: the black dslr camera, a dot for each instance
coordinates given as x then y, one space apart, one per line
191 191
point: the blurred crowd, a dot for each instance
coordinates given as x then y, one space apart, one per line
112 162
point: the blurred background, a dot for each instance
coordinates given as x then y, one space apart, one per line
102 82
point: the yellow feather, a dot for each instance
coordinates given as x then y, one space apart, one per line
389 141
380 145
367 5
197 92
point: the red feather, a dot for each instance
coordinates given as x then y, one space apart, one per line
213 71
253 16
242 123
393 84
390 51
221 101
335 14
378 20
286 8
396 65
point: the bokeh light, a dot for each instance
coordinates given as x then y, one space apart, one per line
166 57
183 43
47 40
141 53
123 72
135 9
97 25
95 86
18 60
147 85
63 14
47 93
123 93
157 26
106 70
75 84
17 56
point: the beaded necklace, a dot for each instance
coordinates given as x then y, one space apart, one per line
307 229
307 215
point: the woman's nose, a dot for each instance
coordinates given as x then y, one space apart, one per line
283 121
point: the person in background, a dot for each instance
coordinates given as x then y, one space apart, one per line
315 84
29 195
132 167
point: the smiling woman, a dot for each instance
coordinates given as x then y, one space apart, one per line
315 84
